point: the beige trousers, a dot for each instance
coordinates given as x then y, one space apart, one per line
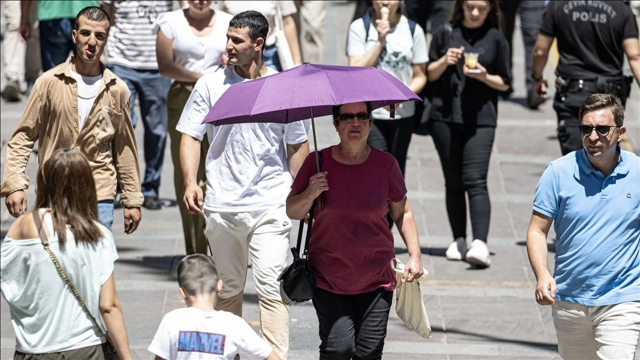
20 61
597 332
262 235
310 24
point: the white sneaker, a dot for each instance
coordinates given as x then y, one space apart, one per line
456 249
478 254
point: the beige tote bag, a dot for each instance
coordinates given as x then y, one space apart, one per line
409 304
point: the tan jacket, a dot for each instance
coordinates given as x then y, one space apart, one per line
107 138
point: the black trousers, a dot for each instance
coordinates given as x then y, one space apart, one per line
352 326
393 137
464 155
567 108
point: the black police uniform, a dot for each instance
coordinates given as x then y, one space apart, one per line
590 36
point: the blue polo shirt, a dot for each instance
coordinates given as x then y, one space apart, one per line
597 224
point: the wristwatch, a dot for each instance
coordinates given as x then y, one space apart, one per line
536 79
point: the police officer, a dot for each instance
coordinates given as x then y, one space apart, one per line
592 38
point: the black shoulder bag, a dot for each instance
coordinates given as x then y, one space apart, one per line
422 114
297 280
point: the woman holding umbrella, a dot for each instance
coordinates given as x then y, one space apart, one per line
464 116
351 245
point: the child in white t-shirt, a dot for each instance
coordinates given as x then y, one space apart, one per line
199 331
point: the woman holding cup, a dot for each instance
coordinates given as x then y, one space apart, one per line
464 116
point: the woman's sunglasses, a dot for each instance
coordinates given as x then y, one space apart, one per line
362 117
603 130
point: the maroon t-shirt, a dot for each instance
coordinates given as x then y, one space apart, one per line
351 244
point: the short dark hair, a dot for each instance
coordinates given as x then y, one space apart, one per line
197 275
93 13
601 101
255 21
336 110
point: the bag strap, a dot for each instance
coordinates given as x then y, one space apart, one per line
366 20
45 242
311 211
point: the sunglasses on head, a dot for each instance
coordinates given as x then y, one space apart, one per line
603 130
362 117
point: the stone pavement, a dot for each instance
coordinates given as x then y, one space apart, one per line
475 314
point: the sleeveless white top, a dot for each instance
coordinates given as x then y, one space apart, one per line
46 317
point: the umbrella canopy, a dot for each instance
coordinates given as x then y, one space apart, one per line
304 92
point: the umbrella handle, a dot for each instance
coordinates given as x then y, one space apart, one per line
315 146
315 141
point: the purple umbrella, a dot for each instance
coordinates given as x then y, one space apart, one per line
306 91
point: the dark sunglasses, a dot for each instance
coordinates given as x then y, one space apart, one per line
603 130
362 117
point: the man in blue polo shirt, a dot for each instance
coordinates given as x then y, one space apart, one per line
593 195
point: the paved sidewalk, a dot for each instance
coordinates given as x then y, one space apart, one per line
475 314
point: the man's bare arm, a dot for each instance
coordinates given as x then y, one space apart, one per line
190 161
295 156
631 48
537 250
541 54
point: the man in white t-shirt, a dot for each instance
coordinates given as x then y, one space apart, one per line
249 169
199 331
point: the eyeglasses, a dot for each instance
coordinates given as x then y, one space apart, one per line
362 117
602 130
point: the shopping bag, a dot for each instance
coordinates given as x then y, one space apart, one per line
409 304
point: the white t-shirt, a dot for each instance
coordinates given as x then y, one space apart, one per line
132 41
246 166
88 87
190 333
194 53
402 51
266 8
46 316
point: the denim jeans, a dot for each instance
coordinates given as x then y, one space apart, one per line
352 326
270 57
105 213
530 20
151 88
56 42
464 155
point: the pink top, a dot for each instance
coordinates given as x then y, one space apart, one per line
351 244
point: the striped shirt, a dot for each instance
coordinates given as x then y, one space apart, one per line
132 42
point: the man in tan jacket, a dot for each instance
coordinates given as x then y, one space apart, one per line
80 104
